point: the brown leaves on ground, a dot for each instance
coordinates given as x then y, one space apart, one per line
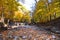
27 34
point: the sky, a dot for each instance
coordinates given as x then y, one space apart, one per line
29 4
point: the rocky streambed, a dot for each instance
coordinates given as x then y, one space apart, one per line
27 33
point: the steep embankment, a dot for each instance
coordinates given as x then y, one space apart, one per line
55 22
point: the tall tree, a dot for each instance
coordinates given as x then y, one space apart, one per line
45 10
8 7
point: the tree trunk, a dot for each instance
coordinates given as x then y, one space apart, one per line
50 17
54 15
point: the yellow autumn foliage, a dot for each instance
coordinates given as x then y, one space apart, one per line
46 11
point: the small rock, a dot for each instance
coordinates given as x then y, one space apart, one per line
53 36
15 38
24 37
0 34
